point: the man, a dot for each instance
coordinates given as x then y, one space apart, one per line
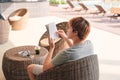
79 28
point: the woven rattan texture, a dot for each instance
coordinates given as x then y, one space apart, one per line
83 69
15 66
60 44
21 23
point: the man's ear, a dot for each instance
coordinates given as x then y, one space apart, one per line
75 33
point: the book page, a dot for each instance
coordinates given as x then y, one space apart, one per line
52 29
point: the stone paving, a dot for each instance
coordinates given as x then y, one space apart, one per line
103 22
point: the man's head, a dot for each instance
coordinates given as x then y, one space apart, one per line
79 26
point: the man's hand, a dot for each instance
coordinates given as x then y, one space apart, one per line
65 37
62 34
51 43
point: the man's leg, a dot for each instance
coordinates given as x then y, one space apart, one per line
30 71
33 70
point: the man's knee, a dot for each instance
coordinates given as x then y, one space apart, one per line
30 67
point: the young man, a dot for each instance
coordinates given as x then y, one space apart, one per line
79 28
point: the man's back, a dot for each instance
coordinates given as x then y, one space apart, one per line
73 53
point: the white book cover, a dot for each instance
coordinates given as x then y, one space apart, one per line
52 30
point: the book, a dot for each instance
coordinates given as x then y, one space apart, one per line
52 30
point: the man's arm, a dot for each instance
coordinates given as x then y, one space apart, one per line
65 37
48 61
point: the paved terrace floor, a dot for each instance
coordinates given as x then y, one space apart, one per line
106 43
104 22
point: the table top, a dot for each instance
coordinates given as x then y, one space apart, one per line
13 53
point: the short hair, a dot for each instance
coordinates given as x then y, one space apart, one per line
80 25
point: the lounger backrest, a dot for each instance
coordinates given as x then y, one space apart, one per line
83 6
70 3
100 8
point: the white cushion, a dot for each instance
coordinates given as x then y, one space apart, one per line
15 18
44 42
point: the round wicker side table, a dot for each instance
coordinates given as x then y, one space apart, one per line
15 66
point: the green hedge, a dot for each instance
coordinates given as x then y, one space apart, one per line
57 2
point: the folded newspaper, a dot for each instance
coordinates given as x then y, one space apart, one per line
52 30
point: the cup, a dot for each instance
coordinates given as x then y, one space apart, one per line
37 50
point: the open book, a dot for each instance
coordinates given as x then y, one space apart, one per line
52 29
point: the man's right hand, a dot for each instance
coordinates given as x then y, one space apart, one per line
62 34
